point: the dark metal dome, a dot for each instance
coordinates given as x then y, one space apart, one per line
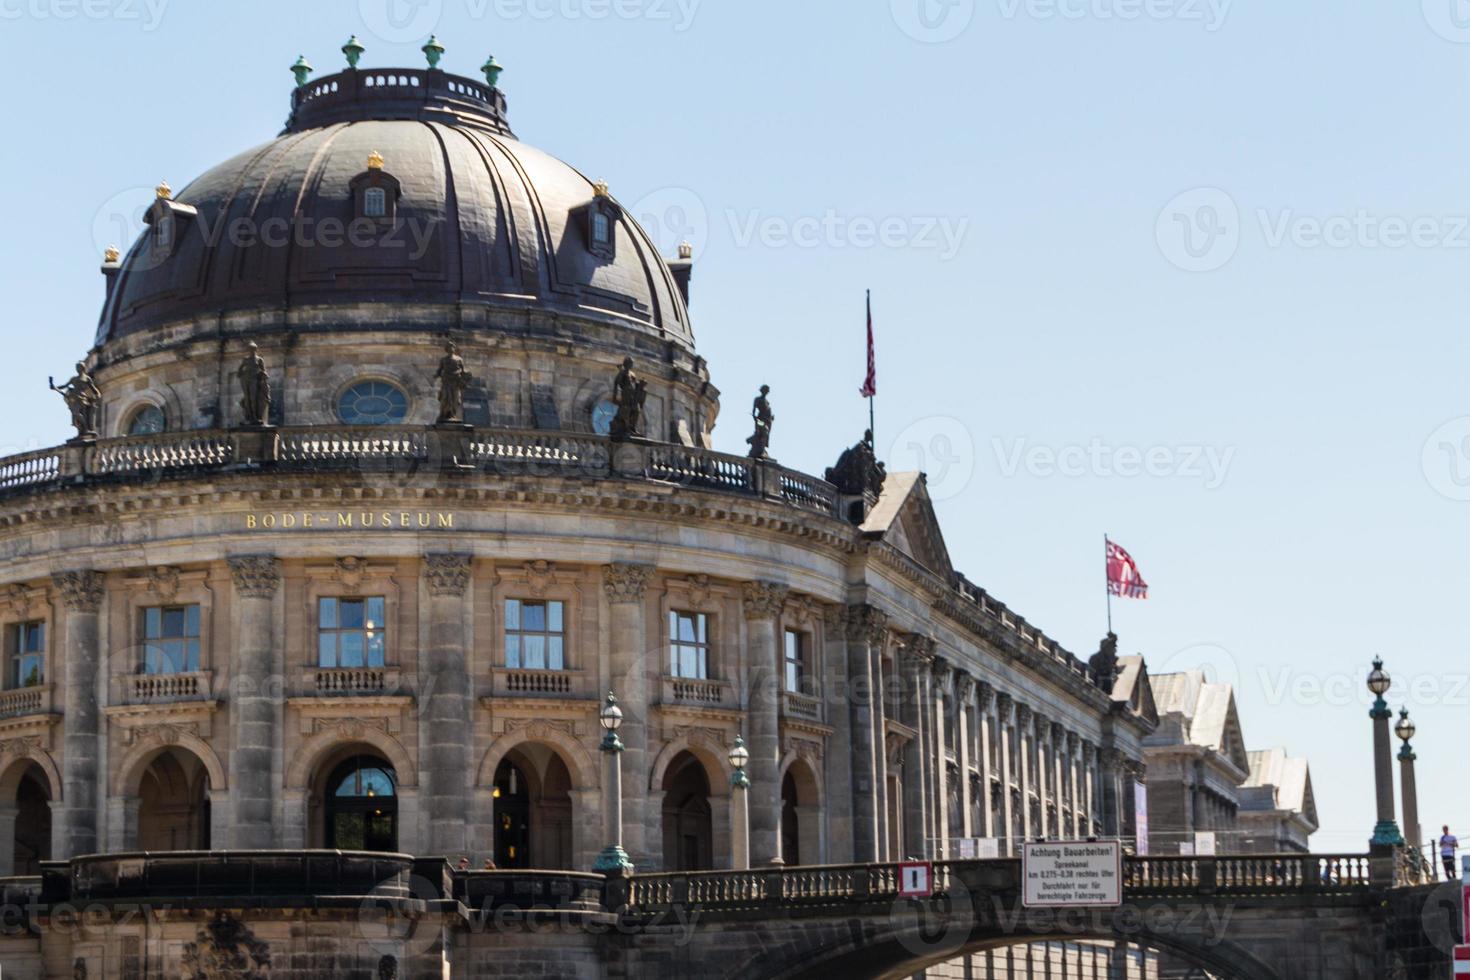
476 219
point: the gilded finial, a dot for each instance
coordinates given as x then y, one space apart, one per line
433 51
353 49
375 160
492 70
111 254
301 70
686 251
163 191
599 188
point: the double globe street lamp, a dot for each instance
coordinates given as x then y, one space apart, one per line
1386 831
740 785
612 860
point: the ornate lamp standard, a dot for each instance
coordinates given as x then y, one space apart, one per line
613 859
1408 786
740 785
1386 832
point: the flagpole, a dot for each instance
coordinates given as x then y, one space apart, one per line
872 425
1107 591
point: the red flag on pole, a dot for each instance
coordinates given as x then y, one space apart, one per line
1123 577
870 383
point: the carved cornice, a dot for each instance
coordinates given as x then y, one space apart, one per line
623 582
763 600
447 574
255 576
81 591
1024 715
964 687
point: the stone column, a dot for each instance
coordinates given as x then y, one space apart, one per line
254 698
1026 734
915 657
762 602
1409 791
964 693
837 696
81 595
866 628
1059 766
940 673
1004 706
1108 764
444 754
629 667
985 699
1080 830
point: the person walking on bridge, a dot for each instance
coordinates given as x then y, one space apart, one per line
1448 844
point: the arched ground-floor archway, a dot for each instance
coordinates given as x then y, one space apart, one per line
173 803
26 796
353 801
533 812
803 837
688 824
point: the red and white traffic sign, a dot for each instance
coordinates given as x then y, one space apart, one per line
1462 961
916 880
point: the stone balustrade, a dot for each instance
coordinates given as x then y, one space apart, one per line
144 688
703 693
34 700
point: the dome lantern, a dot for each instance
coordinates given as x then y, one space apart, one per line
433 51
492 70
301 69
353 49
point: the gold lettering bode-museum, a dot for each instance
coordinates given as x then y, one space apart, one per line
422 520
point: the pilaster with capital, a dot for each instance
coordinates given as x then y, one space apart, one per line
964 699
837 762
256 712
762 603
447 715
634 664
916 657
1005 711
81 595
867 630
984 713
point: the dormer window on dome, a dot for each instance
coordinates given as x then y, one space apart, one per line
375 192
164 217
599 221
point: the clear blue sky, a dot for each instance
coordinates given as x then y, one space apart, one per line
1175 229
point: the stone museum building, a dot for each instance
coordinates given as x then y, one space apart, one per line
393 459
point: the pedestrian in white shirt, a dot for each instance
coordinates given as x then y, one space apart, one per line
1448 844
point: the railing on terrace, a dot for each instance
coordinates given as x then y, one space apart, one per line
34 700
704 693
142 688
348 681
1273 874
525 682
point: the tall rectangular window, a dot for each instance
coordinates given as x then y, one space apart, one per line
350 632
797 654
374 203
689 645
26 644
534 635
170 639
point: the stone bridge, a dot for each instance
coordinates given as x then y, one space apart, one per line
299 914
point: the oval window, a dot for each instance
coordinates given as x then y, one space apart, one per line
372 403
603 414
147 421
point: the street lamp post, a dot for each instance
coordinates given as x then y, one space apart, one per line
1386 831
1409 788
613 860
740 786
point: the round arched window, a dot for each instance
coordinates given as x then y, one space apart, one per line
146 421
372 403
603 414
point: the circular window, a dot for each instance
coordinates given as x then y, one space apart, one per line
603 414
147 421
372 403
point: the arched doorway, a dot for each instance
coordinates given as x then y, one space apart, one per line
173 803
32 822
790 821
802 837
687 819
360 805
533 809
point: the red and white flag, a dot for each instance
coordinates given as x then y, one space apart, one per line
1123 576
870 383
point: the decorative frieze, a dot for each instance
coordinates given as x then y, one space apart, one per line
81 591
762 600
255 576
447 574
623 582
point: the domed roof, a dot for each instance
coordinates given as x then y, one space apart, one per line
474 218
